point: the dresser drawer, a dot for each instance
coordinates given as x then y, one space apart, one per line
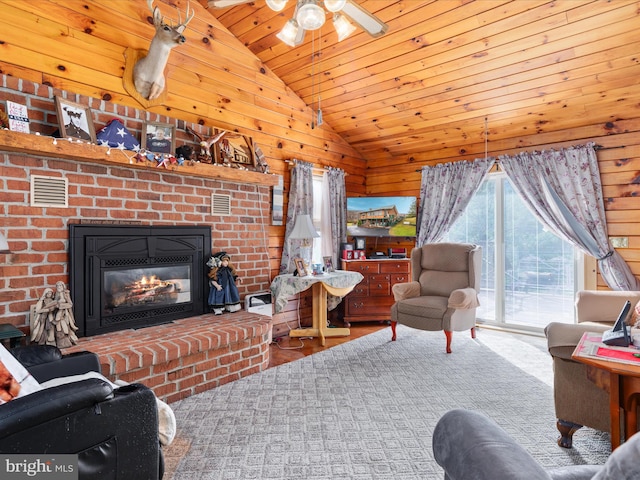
360 290
382 287
373 306
363 267
390 266
398 278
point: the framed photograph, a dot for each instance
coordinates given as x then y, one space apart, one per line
74 120
361 243
235 150
158 137
328 264
300 267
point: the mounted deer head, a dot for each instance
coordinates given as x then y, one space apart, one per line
148 72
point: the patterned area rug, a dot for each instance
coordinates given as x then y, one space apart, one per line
366 409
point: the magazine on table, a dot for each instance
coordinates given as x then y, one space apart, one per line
591 346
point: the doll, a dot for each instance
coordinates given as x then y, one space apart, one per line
223 293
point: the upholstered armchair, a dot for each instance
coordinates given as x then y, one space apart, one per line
443 293
114 432
468 445
578 401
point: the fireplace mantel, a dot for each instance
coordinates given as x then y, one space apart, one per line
43 146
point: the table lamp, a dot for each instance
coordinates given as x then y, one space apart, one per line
304 230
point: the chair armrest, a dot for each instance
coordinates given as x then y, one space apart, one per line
562 338
464 298
468 444
38 407
402 291
45 362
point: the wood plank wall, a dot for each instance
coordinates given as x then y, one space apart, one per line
214 80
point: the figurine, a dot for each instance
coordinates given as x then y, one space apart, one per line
222 280
42 331
64 320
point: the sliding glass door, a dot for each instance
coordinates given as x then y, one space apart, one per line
529 276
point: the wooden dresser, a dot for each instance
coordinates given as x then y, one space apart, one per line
371 299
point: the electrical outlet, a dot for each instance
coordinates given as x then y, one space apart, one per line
619 242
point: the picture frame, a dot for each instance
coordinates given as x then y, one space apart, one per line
75 120
328 264
235 149
300 267
158 137
360 243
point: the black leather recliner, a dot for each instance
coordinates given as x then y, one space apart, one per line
113 431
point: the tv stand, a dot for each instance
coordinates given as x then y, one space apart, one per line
371 299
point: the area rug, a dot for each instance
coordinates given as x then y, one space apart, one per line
367 409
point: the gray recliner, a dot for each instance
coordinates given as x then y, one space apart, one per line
468 445
443 293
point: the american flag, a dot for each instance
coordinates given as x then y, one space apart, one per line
115 135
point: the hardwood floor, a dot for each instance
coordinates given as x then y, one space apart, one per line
286 349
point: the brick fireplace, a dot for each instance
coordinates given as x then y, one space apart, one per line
133 276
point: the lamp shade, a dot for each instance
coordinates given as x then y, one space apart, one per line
334 5
289 33
276 5
310 16
303 228
343 27
4 245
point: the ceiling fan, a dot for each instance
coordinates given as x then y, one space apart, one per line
309 15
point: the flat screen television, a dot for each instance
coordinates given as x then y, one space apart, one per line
381 216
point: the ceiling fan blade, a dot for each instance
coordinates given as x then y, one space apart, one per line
226 3
366 20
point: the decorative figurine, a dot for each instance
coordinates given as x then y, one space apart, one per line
223 294
52 319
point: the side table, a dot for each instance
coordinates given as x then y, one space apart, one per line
11 333
337 284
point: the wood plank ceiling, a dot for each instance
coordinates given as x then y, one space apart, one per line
447 69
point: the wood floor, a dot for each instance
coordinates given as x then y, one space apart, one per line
286 349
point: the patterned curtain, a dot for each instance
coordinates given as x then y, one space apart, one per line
563 190
300 203
334 214
445 191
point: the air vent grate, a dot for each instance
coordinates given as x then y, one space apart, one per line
49 191
220 204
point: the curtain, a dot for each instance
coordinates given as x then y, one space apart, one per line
445 191
334 214
300 203
563 190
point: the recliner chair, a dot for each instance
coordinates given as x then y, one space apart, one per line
578 401
443 293
113 431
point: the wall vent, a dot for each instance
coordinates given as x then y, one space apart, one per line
220 204
49 191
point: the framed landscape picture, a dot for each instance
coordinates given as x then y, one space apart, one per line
74 120
236 150
158 137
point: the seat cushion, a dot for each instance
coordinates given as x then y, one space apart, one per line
430 306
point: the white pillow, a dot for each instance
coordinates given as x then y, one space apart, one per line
15 380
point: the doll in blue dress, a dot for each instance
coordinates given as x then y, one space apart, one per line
223 292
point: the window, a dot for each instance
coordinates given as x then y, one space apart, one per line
529 275
316 256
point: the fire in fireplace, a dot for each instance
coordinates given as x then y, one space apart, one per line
130 276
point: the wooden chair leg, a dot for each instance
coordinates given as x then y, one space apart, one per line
449 336
473 332
566 429
393 331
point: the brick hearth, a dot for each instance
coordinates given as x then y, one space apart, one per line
187 356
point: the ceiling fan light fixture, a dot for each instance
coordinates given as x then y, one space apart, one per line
289 33
276 5
310 16
343 27
334 5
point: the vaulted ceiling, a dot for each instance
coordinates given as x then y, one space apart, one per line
447 71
